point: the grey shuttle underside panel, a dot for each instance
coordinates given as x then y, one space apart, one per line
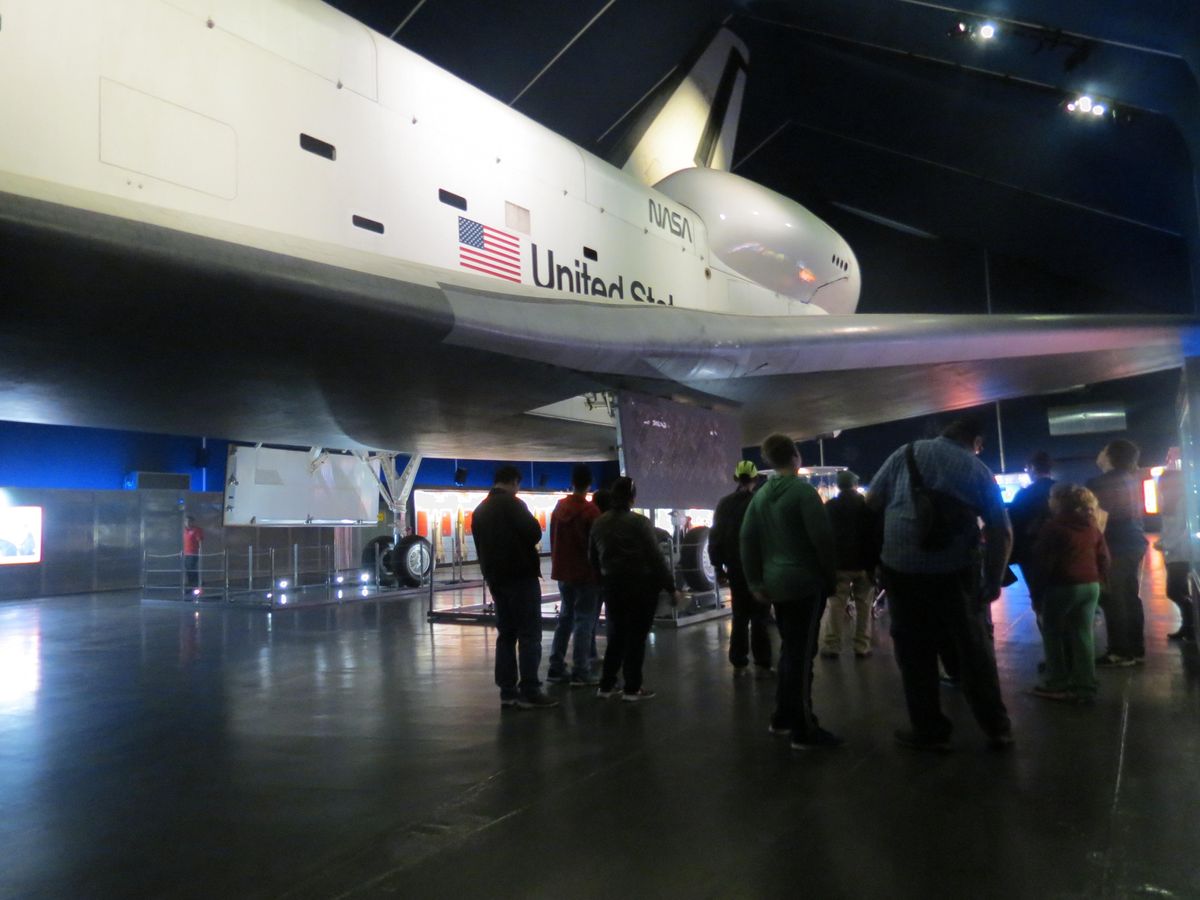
112 323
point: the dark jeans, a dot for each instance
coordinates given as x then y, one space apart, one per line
191 568
630 613
749 632
576 617
1124 618
518 636
943 609
799 624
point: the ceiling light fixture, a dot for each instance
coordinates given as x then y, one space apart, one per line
1092 108
975 31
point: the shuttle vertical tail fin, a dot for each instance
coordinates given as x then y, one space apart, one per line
692 120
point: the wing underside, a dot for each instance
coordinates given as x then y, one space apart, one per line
118 324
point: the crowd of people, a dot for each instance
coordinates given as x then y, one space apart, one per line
933 533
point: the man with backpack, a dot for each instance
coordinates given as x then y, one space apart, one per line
941 578
748 635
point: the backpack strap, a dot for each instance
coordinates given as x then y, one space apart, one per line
914 474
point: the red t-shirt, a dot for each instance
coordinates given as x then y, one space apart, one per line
192 536
570 527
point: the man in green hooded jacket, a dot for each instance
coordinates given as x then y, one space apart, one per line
789 560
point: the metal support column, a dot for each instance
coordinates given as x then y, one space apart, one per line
1187 410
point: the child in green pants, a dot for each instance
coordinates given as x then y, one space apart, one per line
1070 562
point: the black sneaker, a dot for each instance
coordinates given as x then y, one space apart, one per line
915 741
584 681
818 740
508 702
772 728
536 701
1111 660
556 677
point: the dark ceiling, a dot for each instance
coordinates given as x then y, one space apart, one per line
867 110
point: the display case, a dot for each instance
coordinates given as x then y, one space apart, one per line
443 517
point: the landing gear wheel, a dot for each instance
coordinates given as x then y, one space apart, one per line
381 546
412 560
694 563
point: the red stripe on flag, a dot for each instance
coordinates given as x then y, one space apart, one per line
484 259
501 237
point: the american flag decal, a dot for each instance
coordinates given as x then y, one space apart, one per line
489 250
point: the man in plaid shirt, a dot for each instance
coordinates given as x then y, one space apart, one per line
943 594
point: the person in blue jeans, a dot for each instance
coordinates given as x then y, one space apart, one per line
1119 491
506 538
578 587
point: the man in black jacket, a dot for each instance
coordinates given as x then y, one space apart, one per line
506 538
853 533
1029 510
748 633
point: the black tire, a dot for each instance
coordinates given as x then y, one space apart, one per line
412 560
697 570
664 541
382 544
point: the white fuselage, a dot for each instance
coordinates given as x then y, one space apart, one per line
287 126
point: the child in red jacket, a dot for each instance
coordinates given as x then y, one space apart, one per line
1070 562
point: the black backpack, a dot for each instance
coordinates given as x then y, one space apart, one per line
941 517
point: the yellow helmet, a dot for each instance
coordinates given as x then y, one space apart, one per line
745 469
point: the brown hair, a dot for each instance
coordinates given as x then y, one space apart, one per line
779 450
1075 500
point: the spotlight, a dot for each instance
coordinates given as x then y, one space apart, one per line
364 577
1085 105
987 31
283 583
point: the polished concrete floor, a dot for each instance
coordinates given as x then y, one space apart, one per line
149 751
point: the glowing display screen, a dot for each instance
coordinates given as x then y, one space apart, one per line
1011 483
20 535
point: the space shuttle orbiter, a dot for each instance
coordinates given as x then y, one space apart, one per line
267 222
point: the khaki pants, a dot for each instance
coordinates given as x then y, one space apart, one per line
856 585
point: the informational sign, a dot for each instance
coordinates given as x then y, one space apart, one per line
272 486
680 456
20 535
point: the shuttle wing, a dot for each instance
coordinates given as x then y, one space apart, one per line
117 324
817 374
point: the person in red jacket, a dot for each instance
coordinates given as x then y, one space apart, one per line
1070 562
193 538
578 587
